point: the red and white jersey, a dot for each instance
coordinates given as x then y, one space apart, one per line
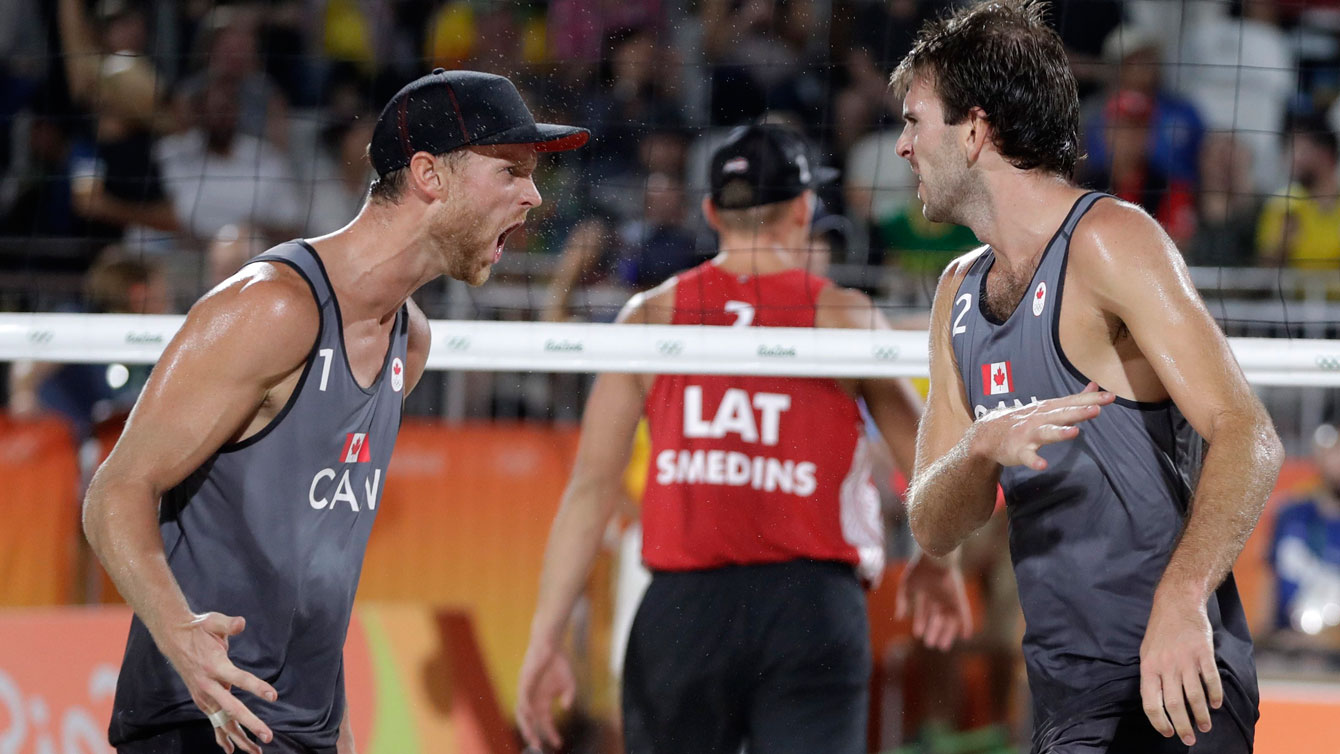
756 469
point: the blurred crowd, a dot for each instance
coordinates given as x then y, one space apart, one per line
197 133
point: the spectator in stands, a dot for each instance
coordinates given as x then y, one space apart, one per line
1228 206
756 49
636 255
87 394
619 195
1241 73
230 44
230 249
217 176
1131 172
1305 558
340 174
635 97
1134 57
41 204
115 182
1301 227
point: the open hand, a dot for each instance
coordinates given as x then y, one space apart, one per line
1012 436
199 652
932 591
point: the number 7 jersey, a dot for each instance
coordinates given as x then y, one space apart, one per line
748 470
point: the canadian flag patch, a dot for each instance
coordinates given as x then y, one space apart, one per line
997 378
355 448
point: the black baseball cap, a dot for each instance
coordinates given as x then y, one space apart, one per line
762 164
447 110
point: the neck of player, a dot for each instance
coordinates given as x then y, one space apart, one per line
1020 212
376 261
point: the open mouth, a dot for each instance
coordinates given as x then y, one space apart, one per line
502 241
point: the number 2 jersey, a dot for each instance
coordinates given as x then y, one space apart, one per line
748 470
1091 534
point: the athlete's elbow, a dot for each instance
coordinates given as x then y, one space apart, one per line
931 537
1270 451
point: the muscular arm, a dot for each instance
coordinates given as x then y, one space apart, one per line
593 492
953 489
1133 273
237 343
1141 280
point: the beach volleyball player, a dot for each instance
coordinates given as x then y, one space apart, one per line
1073 362
759 520
234 511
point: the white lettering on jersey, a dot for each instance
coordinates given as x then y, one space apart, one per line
326 355
734 469
979 410
736 415
743 311
344 490
959 327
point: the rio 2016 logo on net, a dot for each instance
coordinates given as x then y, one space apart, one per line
35 727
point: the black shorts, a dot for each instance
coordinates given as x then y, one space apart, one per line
198 738
773 656
1132 733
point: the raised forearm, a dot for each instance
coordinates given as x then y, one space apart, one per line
952 497
573 543
1236 478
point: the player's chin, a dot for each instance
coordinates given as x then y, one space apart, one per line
477 277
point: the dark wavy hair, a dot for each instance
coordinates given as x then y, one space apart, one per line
1001 56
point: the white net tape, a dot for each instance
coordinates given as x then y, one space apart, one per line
542 347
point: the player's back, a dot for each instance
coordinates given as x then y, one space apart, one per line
749 469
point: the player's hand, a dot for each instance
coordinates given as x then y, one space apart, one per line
1179 681
198 650
546 676
1012 436
932 591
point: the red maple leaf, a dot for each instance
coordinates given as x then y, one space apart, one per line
1041 293
999 377
395 368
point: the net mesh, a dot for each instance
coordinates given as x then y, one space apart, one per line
149 147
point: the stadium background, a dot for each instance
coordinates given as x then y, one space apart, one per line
147 148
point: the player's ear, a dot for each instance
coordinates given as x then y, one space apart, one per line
710 214
425 176
977 134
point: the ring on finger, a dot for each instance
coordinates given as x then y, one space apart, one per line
219 718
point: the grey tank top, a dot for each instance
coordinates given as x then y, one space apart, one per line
1090 535
273 529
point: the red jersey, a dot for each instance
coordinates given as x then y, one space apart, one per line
756 469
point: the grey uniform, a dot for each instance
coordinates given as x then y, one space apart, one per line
273 529
1090 535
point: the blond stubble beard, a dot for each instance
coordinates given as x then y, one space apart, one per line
454 236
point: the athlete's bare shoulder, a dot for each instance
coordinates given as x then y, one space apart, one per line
653 307
958 269
1118 238
266 308
836 306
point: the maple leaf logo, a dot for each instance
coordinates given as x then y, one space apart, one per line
996 378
